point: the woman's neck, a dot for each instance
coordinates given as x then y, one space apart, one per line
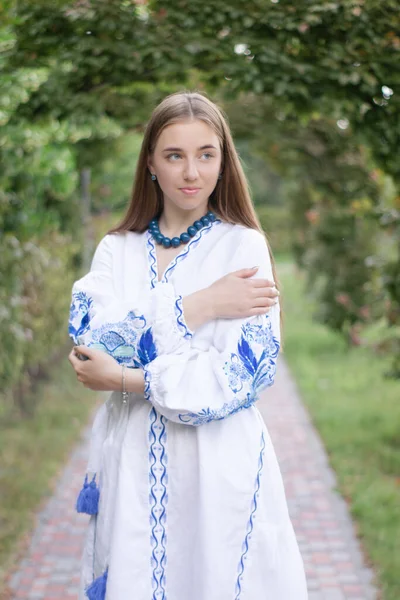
173 223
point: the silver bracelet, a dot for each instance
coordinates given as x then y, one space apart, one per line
124 392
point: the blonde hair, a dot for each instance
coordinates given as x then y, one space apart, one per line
231 200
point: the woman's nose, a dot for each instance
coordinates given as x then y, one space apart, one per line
190 170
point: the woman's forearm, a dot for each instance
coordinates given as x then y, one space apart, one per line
134 381
198 308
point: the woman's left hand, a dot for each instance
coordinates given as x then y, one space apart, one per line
100 373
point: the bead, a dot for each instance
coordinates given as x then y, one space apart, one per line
185 236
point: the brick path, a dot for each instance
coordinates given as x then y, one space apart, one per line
333 561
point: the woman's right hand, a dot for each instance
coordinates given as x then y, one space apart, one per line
237 296
233 296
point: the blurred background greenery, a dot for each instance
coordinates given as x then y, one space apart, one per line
312 93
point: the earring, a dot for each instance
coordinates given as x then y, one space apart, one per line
154 177
220 176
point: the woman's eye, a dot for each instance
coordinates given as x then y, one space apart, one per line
175 155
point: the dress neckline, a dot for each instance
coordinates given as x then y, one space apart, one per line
152 256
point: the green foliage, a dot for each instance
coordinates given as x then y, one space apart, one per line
276 223
37 276
112 177
335 58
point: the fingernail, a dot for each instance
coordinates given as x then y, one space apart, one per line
256 267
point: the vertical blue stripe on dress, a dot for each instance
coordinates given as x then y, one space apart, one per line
250 524
158 499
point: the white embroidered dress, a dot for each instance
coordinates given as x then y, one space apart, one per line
191 500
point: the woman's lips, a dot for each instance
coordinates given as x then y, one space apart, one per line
190 191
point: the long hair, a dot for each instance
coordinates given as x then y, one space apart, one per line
231 200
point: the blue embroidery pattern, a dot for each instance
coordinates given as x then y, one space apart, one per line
244 371
121 339
80 314
153 260
125 345
147 379
128 341
250 524
158 479
179 257
180 319
146 348
244 366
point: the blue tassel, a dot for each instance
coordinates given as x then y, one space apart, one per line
88 499
97 589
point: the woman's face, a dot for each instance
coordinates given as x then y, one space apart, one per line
187 162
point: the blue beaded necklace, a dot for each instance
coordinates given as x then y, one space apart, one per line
185 236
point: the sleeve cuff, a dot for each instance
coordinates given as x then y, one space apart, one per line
170 330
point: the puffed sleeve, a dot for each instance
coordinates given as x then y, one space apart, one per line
198 386
132 333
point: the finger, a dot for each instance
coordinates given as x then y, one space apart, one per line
246 272
73 359
84 350
263 283
263 301
267 292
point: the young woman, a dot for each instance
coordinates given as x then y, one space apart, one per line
179 318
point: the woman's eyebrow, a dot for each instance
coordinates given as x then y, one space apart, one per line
181 149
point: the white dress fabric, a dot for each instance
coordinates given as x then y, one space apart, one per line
192 504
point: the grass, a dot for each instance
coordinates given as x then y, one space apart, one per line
32 452
357 413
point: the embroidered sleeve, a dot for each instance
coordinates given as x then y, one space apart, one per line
199 386
132 334
92 293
